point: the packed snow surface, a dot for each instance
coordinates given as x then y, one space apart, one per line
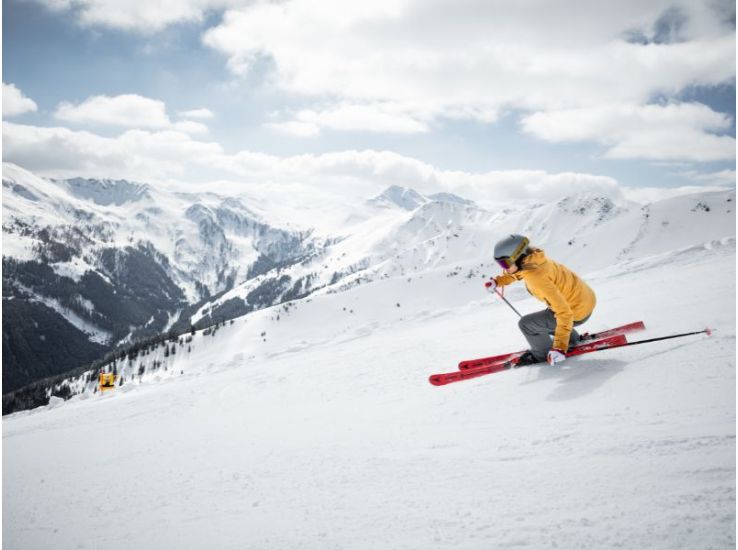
315 427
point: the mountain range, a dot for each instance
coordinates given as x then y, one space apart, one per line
95 266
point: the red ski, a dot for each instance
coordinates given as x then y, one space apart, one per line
511 363
496 359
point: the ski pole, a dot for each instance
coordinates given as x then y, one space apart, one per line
705 331
508 303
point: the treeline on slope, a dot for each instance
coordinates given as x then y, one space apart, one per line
38 341
44 349
39 393
269 292
135 290
26 355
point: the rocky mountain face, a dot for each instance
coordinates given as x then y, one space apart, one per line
89 265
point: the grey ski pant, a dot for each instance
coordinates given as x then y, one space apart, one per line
539 327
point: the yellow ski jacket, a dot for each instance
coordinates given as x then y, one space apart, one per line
570 298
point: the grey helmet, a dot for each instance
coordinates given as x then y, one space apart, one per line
510 249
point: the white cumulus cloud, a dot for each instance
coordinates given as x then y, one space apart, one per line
190 127
140 15
15 103
294 128
126 110
473 58
199 114
676 131
403 66
135 154
371 117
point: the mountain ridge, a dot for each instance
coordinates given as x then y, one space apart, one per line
213 258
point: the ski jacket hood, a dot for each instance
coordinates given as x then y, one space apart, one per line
568 296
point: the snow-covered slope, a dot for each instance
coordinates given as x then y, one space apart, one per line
312 425
590 230
188 258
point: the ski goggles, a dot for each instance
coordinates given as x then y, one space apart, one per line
505 263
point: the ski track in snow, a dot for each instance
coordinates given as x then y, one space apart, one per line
328 434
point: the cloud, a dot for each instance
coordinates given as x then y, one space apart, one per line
135 154
645 195
474 58
722 178
15 103
127 110
676 131
294 128
170 155
190 127
534 20
173 156
140 15
403 66
200 114
526 185
371 117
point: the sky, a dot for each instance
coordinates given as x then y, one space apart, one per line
491 99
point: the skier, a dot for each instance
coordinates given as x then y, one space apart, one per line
570 300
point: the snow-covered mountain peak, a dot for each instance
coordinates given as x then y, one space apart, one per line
200 213
236 206
21 187
107 192
403 197
590 204
450 197
20 190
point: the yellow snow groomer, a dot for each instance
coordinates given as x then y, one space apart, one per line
107 381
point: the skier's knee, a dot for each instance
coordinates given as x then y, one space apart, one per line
523 324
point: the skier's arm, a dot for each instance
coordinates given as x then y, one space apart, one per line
562 311
505 279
